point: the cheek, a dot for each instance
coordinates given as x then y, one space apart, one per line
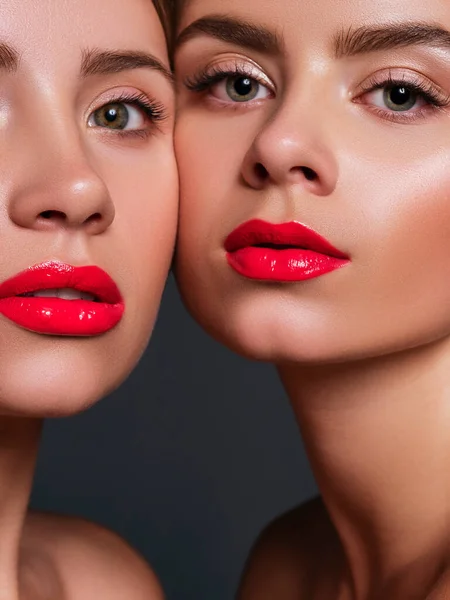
210 149
145 196
407 231
200 150
396 294
146 203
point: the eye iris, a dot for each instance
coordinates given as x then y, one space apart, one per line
242 88
399 97
113 116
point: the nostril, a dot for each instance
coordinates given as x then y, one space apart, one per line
261 172
52 214
94 218
309 174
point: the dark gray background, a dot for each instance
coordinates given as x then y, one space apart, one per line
187 460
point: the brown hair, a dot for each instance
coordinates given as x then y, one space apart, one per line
166 12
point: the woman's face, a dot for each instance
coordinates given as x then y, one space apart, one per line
88 194
330 114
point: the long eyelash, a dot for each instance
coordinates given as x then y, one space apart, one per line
208 77
423 89
152 109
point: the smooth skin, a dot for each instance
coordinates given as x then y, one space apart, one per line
345 127
84 190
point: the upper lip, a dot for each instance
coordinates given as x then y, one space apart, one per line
291 234
55 274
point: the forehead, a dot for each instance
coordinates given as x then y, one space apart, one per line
297 20
55 30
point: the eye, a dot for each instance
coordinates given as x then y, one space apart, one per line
236 83
399 97
118 115
129 114
405 97
239 88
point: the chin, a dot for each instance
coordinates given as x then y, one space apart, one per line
274 323
44 376
266 328
282 329
45 400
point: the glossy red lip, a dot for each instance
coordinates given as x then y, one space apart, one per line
281 252
59 316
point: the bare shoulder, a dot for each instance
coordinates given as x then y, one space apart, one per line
289 555
90 561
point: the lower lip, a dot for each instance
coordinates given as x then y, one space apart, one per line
56 316
291 264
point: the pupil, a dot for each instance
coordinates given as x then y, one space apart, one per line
111 115
400 95
243 86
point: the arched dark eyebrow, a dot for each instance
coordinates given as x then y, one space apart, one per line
9 58
106 62
389 37
233 31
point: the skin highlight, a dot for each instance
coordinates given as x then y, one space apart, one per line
89 179
341 124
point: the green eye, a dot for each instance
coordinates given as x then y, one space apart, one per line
112 116
399 98
242 88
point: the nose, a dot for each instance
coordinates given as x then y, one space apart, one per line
291 149
57 186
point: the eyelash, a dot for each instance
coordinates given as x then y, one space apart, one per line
423 89
205 79
153 110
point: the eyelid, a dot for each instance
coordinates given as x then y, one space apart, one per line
117 94
226 67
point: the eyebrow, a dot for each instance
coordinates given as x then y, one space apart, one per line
233 31
106 62
389 37
9 58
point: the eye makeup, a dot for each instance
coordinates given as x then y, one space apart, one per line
151 111
401 96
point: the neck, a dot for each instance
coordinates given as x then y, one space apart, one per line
378 437
19 440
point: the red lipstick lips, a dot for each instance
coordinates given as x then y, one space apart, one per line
59 299
281 252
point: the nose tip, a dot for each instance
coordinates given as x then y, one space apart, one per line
77 201
290 149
